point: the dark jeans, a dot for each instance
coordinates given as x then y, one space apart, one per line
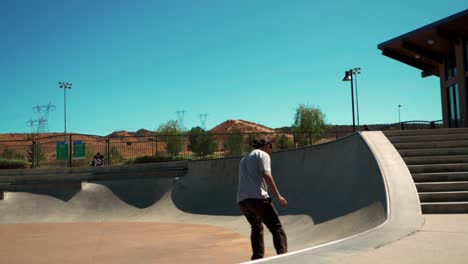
258 211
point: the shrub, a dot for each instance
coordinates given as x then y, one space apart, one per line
153 159
174 144
201 142
10 154
283 142
13 164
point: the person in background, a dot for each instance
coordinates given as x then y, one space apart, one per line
98 160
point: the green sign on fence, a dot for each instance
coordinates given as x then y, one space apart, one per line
79 150
62 150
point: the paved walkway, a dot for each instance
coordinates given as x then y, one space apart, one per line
443 239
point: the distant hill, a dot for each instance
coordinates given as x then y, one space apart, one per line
225 127
139 133
120 133
25 136
145 133
241 125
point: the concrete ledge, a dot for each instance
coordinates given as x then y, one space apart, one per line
42 186
67 175
96 170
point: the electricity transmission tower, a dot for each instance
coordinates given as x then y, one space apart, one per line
203 120
40 125
30 123
180 117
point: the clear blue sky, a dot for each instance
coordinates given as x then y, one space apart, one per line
134 64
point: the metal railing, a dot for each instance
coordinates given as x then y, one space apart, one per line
43 152
421 124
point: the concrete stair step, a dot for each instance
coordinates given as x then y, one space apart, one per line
436 159
431 145
438 162
459 186
426 132
428 138
433 152
430 197
427 168
445 208
440 176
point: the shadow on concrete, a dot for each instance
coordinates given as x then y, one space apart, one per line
141 193
61 191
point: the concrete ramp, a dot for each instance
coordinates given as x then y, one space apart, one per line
338 191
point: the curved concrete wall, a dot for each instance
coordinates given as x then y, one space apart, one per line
324 182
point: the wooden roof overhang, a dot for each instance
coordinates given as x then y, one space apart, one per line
427 47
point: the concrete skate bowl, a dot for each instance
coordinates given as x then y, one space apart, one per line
344 196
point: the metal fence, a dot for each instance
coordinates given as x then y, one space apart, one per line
44 152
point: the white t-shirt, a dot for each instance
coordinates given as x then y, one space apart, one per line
251 170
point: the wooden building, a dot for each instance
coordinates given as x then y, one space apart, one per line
439 49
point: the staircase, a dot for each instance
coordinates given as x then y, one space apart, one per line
438 162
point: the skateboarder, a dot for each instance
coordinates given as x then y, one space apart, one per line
255 203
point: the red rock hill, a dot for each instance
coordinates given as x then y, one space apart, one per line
242 125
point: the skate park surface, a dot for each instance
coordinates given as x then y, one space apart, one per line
350 201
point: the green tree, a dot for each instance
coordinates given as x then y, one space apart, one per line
171 133
309 125
201 142
234 143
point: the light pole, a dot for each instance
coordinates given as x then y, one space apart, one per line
349 77
399 116
65 86
355 72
